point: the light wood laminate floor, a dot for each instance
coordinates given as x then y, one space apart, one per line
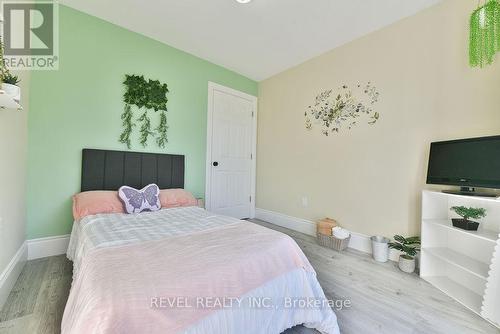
383 299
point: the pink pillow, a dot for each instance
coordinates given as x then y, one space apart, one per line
172 198
94 202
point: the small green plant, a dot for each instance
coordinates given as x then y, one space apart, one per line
466 213
3 68
9 78
409 246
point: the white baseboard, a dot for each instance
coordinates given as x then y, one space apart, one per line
29 250
50 246
9 276
300 225
359 242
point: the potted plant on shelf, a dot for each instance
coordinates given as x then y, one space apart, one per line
9 85
409 246
466 213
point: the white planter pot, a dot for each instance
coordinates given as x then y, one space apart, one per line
12 90
380 248
406 265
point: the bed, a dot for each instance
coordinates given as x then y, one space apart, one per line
182 270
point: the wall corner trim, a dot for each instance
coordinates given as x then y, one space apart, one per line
359 242
50 246
11 273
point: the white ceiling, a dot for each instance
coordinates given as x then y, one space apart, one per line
258 39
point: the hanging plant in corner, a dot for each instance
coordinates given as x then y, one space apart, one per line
145 95
484 40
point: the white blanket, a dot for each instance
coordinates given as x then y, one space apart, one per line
111 230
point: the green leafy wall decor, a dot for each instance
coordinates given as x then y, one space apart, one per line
343 108
484 40
146 95
127 126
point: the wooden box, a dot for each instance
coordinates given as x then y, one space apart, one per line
325 226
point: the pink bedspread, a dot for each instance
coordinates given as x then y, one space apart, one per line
129 289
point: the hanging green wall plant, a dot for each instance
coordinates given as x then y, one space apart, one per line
484 34
144 94
145 129
127 126
162 128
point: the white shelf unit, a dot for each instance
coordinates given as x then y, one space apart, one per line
459 262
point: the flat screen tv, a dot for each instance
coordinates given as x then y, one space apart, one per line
468 163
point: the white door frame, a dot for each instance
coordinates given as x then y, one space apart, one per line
208 184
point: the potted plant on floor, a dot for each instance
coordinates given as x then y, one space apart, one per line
9 85
409 246
466 213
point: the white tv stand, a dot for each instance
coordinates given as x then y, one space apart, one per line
463 264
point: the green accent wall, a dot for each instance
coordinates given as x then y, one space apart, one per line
79 106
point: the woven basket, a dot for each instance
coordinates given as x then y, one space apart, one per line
332 242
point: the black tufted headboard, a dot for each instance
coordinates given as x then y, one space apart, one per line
109 170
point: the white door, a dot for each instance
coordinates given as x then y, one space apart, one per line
231 152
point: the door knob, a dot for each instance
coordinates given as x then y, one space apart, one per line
215 163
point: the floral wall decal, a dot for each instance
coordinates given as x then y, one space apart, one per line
343 108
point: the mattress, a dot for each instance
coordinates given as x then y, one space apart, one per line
113 237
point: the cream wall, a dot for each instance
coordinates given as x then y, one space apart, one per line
370 178
13 153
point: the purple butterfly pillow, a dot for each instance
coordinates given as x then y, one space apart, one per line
136 201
